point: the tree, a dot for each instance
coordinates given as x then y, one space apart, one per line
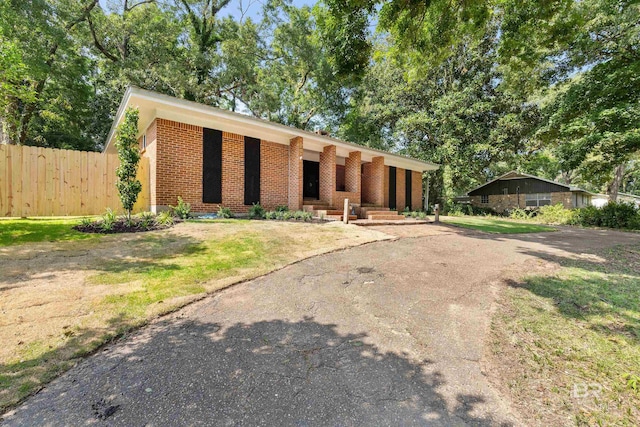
129 155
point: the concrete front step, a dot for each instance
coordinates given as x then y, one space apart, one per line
312 208
339 217
385 217
380 212
326 212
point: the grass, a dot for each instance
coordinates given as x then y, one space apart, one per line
91 291
571 342
18 231
492 225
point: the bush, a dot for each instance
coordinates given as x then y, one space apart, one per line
459 209
108 220
556 214
147 219
520 214
225 213
618 215
589 216
256 211
282 208
182 210
165 218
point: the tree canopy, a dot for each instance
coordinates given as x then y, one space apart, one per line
481 87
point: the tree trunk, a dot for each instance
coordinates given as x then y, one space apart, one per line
613 188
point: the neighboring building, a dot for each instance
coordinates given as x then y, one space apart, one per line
520 190
599 200
212 157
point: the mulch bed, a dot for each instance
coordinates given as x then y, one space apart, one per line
121 226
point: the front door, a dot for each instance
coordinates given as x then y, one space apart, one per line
311 179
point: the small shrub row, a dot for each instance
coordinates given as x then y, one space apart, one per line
414 214
460 209
286 215
110 222
612 215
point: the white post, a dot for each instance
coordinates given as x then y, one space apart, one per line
426 195
345 216
437 212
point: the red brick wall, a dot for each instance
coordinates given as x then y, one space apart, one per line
416 190
295 173
274 180
352 172
178 151
328 174
372 184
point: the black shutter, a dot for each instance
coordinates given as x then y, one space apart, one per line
392 187
211 166
251 170
407 188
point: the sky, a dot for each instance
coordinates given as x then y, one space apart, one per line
234 8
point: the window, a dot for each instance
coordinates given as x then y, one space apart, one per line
144 142
484 199
537 199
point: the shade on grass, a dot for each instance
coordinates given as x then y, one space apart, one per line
17 231
492 225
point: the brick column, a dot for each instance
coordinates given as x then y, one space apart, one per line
377 181
295 173
328 174
352 172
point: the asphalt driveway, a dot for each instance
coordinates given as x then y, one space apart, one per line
390 333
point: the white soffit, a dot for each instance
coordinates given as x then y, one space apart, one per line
155 105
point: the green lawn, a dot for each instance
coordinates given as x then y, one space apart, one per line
492 225
17 231
570 343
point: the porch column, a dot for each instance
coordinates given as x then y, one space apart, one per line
352 173
377 181
295 173
328 174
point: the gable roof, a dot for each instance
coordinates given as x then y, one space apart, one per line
152 105
514 174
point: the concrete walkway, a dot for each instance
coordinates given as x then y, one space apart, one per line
390 333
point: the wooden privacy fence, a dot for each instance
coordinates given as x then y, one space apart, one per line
36 181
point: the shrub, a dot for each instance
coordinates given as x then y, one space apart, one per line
556 214
86 222
256 211
108 220
182 210
518 213
147 219
618 215
270 215
165 218
282 208
225 213
589 216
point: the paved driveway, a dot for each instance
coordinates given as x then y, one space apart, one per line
390 333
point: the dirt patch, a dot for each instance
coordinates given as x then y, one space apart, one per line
60 300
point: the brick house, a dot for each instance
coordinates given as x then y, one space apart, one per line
520 190
212 157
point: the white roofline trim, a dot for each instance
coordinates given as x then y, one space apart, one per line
249 120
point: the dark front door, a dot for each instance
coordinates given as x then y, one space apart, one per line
311 179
